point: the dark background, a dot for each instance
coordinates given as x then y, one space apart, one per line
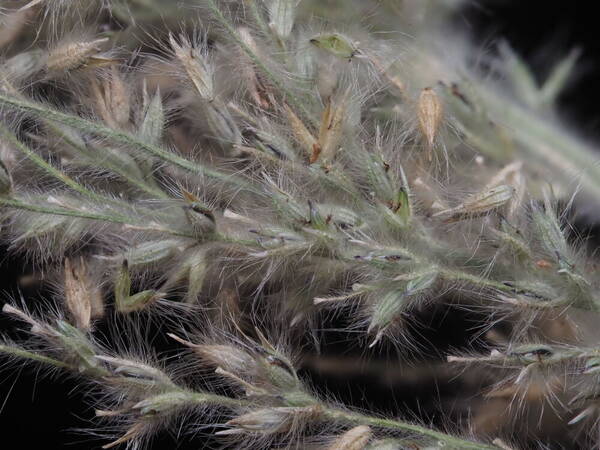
41 413
542 31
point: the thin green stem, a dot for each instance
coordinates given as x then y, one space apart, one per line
15 203
549 145
68 181
335 415
105 161
452 442
258 17
21 353
52 171
114 218
459 275
122 138
202 398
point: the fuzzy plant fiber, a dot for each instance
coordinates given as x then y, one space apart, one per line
235 212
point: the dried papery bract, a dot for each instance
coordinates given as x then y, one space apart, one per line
356 438
36 326
230 358
82 297
331 130
134 432
430 114
305 138
20 69
112 99
152 117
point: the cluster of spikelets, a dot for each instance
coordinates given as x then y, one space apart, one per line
238 171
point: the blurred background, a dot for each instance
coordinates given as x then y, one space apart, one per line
36 410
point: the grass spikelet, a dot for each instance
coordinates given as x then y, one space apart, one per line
71 55
430 113
194 61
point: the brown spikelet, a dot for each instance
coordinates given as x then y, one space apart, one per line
430 112
479 204
315 153
227 309
330 133
118 98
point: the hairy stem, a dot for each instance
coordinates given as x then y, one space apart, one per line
38 161
111 218
362 419
21 353
122 138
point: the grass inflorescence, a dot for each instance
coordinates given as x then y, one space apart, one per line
243 175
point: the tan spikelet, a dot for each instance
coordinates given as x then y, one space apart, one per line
195 67
356 438
112 100
430 112
301 133
330 133
75 55
83 300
